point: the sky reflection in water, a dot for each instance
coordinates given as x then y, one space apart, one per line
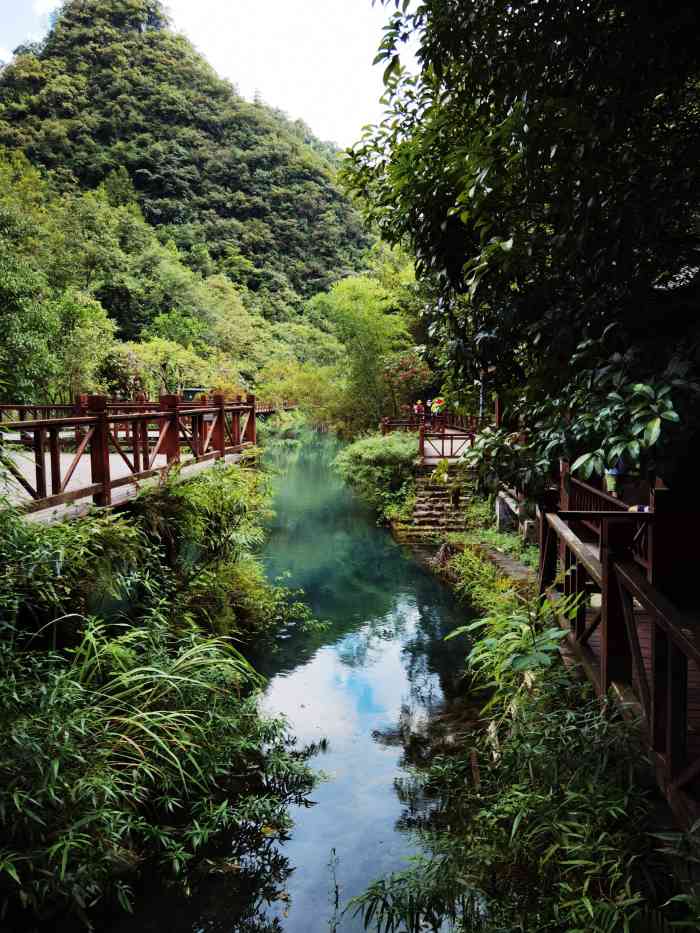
382 654
381 661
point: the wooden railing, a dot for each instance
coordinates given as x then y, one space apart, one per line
146 438
579 496
466 423
629 634
443 445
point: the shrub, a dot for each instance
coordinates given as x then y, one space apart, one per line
381 468
128 733
130 749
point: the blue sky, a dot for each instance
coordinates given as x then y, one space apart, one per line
311 58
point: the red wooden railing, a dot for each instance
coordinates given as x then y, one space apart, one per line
445 437
618 566
467 423
443 445
147 437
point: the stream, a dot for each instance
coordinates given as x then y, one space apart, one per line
367 684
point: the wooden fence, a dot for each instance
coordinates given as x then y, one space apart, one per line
440 437
466 423
147 437
443 445
625 629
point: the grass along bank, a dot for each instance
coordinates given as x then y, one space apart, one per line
129 725
541 820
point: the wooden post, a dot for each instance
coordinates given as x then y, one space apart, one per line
421 440
219 435
548 547
55 457
170 404
674 545
99 449
81 404
40 462
676 711
615 648
498 412
659 688
251 432
136 447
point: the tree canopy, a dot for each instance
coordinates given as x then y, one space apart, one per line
543 162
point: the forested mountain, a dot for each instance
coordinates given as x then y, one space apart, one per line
114 95
158 231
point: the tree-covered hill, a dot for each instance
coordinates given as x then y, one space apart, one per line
238 187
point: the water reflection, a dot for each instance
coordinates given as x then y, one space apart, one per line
369 683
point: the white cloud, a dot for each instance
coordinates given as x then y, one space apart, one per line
44 7
310 58
5 55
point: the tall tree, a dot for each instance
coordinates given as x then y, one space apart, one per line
544 164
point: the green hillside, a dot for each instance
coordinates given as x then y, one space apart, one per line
235 185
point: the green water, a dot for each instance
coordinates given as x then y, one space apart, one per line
366 684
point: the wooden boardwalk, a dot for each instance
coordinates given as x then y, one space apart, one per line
58 462
644 626
615 569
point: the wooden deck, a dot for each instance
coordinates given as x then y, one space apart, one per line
58 462
627 634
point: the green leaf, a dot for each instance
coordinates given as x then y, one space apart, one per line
670 416
393 67
578 463
652 431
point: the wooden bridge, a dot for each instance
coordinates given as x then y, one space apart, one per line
629 571
440 437
99 451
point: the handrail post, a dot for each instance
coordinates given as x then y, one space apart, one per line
99 449
615 648
219 436
548 545
673 553
421 441
81 404
251 431
236 423
170 405
40 462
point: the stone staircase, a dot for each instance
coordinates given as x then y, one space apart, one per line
435 513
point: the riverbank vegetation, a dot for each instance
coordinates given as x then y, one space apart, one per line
541 820
382 470
130 730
